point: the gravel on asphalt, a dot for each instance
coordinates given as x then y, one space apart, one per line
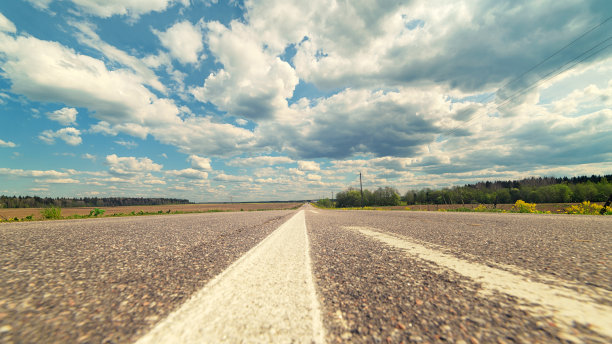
571 247
373 293
110 280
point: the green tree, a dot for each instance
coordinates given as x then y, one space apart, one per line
502 196
409 197
348 198
325 203
386 196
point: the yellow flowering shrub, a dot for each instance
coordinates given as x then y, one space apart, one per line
586 208
523 207
481 207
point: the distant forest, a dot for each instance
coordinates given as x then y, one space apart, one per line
535 190
532 190
39 202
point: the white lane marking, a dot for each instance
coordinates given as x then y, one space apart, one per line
268 295
565 305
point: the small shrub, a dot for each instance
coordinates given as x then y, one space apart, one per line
481 207
523 207
325 203
587 208
96 212
29 218
52 213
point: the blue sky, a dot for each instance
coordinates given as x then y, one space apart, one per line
282 99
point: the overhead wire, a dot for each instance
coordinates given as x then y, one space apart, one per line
558 71
555 72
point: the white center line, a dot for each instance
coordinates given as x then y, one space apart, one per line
266 296
564 304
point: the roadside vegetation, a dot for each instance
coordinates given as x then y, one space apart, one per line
520 206
55 213
523 194
62 202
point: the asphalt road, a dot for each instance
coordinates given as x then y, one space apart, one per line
333 276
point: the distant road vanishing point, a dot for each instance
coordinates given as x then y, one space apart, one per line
308 276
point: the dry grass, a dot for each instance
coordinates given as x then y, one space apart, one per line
21 213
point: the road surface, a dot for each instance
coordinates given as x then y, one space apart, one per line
308 276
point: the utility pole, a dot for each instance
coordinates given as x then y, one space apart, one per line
361 187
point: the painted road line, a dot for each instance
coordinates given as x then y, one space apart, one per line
266 296
564 304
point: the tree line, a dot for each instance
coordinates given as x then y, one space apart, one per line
386 196
533 190
40 202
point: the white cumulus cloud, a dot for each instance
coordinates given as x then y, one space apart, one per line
260 161
108 8
308 166
65 116
6 25
7 144
71 136
32 173
184 41
188 173
232 178
88 36
49 72
253 83
199 163
131 165
314 177
57 181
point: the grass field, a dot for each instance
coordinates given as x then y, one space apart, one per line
36 213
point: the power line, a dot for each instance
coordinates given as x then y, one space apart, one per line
556 52
558 71
541 79
550 56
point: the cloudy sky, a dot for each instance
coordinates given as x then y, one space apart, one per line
289 99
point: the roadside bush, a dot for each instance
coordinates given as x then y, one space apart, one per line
481 207
523 207
325 203
587 208
97 212
52 213
348 198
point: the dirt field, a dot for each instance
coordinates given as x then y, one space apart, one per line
21 213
